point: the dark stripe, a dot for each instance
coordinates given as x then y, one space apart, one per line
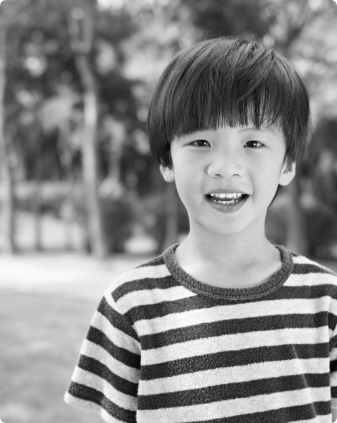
151 311
121 354
333 343
333 366
144 284
225 359
117 320
232 391
286 414
231 327
334 392
305 268
96 367
198 302
89 394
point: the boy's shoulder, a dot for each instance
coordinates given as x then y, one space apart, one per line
146 277
305 266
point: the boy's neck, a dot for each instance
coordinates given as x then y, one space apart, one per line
229 255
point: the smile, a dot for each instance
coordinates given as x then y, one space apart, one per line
226 202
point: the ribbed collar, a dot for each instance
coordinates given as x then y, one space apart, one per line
275 281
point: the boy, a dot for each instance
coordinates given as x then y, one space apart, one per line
224 327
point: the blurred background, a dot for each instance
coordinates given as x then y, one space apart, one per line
81 199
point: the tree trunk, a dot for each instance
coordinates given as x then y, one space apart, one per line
296 224
81 29
7 203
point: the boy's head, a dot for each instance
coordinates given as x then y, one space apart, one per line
228 82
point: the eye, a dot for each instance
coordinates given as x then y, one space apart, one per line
200 143
254 144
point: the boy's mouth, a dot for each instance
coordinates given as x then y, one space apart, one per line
226 198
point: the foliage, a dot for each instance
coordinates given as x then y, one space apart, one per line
321 223
133 42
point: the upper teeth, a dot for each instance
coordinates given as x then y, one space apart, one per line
229 196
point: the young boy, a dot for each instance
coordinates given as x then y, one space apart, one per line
224 327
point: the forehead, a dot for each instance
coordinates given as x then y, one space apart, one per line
249 129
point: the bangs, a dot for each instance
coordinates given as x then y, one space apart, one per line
226 82
214 103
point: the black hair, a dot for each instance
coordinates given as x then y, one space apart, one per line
228 81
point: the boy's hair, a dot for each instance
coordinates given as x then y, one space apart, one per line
228 81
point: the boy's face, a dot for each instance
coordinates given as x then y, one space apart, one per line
227 177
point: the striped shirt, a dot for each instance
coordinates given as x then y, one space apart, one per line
164 347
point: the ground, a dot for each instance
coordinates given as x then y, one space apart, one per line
46 303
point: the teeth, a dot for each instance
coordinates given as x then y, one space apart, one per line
226 196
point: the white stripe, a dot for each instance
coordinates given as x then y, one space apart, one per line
98 353
305 260
92 381
119 338
237 342
311 279
151 296
318 419
235 407
69 399
230 312
148 272
235 374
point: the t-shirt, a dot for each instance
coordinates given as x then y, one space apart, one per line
164 347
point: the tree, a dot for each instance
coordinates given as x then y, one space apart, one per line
81 31
7 203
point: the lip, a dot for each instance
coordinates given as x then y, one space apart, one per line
226 208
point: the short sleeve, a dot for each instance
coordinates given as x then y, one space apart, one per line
107 373
333 356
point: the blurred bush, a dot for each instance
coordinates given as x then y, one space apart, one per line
153 218
119 216
321 227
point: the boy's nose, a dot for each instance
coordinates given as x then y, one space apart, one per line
225 166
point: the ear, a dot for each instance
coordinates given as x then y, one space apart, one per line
287 174
167 172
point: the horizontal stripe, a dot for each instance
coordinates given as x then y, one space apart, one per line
235 374
121 354
235 407
234 326
90 394
235 342
162 352
230 391
120 369
164 282
304 269
305 413
92 382
190 316
144 298
120 338
116 319
312 280
165 305
160 271
233 358
103 372
69 399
